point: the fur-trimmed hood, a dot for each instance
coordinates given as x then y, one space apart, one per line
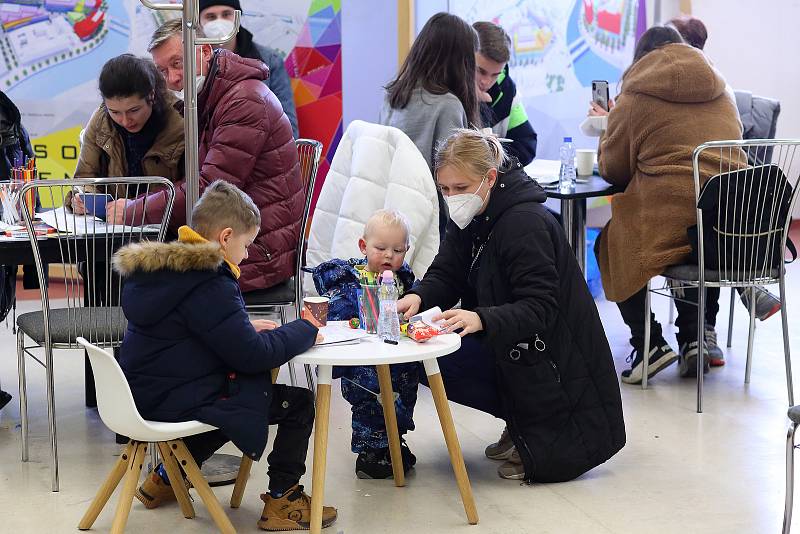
159 277
151 256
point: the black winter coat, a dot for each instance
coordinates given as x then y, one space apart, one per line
190 351
513 266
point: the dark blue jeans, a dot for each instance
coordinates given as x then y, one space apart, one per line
470 377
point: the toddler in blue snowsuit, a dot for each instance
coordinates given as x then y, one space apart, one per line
384 244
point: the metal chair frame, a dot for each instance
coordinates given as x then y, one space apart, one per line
81 293
749 271
309 152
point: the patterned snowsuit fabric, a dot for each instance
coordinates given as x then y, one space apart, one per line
338 280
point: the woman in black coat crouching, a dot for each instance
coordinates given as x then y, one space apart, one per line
534 352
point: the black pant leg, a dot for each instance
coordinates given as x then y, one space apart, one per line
632 311
292 409
202 446
469 377
686 321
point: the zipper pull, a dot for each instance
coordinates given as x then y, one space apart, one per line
539 344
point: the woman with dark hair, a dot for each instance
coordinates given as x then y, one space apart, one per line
672 100
136 131
434 93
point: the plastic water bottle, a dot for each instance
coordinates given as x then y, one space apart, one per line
566 180
388 322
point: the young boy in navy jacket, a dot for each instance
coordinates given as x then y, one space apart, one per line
192 353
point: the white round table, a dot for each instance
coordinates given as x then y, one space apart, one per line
373 351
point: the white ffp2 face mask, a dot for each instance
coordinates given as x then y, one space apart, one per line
463 208
218 28
198 81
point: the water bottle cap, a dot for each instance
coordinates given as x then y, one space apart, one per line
567 139
387 277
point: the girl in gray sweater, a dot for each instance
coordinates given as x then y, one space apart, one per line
434 93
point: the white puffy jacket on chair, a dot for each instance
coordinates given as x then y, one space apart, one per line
374 167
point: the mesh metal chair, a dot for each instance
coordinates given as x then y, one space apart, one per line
83 247
741 241
794 417
290 293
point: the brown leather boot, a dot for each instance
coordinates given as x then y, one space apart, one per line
154 491
292 511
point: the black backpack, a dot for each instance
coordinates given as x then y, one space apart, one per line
749 230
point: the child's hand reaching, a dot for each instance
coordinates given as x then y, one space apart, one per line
263 324
305 314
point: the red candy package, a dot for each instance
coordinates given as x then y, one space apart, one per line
421 332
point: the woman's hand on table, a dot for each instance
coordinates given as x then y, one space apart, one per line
308 316
409 305
467 321
263 324
78 207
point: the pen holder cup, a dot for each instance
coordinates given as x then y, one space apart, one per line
368 307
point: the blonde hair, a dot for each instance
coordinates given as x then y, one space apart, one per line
168 30
471 151
388 217
224 205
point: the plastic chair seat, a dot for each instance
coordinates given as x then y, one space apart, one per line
279 294
97 325
155 431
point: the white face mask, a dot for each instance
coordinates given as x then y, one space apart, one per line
198 81
218 28
463 208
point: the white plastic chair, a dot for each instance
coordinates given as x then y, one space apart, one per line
118 412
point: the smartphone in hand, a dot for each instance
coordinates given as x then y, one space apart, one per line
600 93
95 203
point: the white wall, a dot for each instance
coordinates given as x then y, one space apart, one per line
369 56
754 45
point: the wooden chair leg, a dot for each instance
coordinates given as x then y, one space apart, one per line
201 486
176 480
241 481
107 489
390 418
453 447
134 469
320 454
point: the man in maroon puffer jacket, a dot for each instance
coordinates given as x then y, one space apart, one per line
245 139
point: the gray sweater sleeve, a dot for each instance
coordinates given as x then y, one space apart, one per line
451 116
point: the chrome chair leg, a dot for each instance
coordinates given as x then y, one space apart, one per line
646 348
701 339
23 393
750 335
730 317
51 418
310 379
789 498
292 375
786 353
671 311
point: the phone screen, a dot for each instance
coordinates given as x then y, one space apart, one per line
600 93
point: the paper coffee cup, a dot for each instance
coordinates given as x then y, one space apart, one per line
318 307
585 161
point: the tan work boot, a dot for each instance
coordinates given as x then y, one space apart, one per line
292 511
154 491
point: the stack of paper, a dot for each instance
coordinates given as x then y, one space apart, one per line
336 333
544 171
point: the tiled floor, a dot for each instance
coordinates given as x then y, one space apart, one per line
721 471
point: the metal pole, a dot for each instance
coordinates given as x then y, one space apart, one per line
192 165
191 14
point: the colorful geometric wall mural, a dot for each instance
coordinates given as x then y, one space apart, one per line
315 67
